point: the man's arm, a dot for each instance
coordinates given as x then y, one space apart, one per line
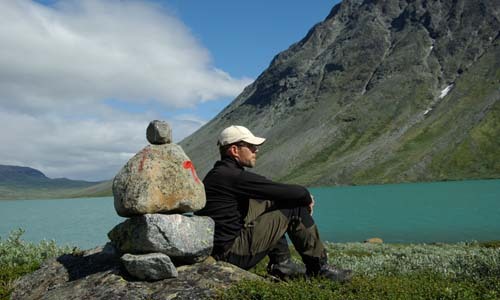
258 187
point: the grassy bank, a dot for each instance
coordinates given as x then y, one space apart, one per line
388 271
18 257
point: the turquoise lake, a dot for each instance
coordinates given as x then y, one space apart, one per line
397 213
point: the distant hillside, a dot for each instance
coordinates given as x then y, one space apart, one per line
28 183
102 189
379 92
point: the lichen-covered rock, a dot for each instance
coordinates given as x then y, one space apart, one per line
94 275
184 239
150 267
159 133
158 179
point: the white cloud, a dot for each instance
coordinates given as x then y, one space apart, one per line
94 50
79 149
185 123
58 66
87 149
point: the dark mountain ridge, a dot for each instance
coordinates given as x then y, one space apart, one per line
380 91
26 176
27 183
16 174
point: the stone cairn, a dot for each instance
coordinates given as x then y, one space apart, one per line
157 190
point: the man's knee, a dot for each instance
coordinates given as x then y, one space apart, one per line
298 215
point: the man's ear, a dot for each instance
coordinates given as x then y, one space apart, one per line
233 151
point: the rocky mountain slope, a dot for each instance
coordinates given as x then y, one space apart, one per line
28 183
380 91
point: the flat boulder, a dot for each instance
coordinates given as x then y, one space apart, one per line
185 239
158 179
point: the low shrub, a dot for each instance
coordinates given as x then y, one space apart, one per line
454 260
18 257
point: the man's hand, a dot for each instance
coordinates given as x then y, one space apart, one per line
311 205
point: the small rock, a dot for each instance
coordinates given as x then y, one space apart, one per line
374 240
150 267
159 133
158 179
184 239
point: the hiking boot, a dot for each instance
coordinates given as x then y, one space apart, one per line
286 269
333 273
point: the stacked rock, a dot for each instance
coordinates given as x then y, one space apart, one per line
155 190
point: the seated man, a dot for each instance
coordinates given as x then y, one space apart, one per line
252 213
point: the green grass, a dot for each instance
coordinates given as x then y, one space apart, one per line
413 286
389 271
18 257
9 191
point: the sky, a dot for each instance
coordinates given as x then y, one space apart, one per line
80 80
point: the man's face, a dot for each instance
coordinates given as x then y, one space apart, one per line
247 154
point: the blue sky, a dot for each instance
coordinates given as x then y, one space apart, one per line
80 80
242 37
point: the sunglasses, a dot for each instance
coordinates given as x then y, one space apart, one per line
250 147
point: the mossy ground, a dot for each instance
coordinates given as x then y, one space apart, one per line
424 285
445 271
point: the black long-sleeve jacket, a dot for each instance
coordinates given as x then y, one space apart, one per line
228 187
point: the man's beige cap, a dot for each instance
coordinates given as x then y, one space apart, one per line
235 133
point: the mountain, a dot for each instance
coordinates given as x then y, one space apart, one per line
379 92
28 183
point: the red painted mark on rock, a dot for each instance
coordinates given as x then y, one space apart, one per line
144 156
189 165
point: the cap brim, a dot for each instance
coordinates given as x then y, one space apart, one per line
255 140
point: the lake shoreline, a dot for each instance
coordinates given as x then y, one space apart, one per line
449 212
110 194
